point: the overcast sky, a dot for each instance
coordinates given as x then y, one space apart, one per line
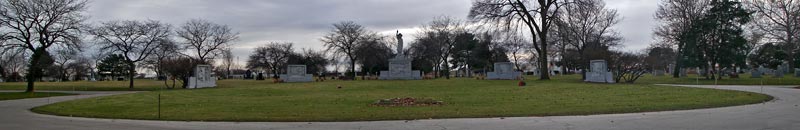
304 22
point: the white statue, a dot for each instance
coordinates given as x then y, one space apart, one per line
399 43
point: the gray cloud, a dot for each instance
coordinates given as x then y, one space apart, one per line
305 21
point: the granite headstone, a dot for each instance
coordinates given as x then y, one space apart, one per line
796 72
599 73
756 73
202 78
778 73
296 73
658 72
503 71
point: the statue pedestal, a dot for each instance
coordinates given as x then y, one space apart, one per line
400 69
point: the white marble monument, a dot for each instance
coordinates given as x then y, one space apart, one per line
599 73
202 78
503 71
296 73
400 65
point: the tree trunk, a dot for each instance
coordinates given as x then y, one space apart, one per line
792 52
543 68
676 70
131 73
436 70
446 69
34 71
275 73
353 68
185 82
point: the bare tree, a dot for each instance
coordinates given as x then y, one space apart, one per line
627 67
442 32
12 61
516 46
39 24
372 55
166 50
677 17
779 20
273 56
586 25
534 16
176 67
344 39
205 39
227 61
61 60
135 40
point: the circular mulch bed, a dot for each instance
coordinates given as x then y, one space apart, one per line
395 102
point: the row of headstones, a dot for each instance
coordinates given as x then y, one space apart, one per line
202 77
503 71
755 73
782 69
598 72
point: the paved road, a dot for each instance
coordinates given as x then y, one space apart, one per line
781 114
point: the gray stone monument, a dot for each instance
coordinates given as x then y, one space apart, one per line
599 73
778 73
796 72
683 72
296 73
400 65
658 72
785 68
763 70
503 71
202 78
756 73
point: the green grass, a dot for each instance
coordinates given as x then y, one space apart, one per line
151 85
744 79
139 85
464 98
23 95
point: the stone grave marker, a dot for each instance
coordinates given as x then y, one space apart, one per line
202 78
658 72
756 73
683 72
796 72
778 73
599 73
296 73
503 71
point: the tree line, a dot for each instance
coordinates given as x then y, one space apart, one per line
50 34
47 37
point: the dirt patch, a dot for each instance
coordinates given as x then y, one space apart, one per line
399 102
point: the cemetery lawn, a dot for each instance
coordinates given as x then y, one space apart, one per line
23 95
744 79
153 85
463 98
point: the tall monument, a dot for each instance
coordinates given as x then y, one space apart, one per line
400 65
400 44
